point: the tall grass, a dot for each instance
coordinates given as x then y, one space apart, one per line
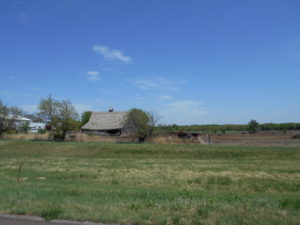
151 184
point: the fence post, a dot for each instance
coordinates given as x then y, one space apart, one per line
19 171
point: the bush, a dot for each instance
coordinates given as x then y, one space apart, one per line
41 131
253 126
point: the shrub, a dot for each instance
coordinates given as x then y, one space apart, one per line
253 126
41 131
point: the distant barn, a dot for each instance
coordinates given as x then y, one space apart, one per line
106 123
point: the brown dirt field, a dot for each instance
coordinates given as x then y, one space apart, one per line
267 138
174 139
271 138
261 138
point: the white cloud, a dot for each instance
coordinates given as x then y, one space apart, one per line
165 97
93 75
155 84
145 84
111 54
183 112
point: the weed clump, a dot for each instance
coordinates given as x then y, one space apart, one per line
291 203
52 213
205 208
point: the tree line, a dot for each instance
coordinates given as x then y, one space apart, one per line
251 127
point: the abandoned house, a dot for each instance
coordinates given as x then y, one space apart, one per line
106 123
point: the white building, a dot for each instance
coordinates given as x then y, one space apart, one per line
20 121
35 127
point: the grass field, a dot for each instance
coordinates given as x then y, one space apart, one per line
151 184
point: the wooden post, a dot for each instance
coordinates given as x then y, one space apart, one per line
19 171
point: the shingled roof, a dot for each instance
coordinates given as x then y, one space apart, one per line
106 121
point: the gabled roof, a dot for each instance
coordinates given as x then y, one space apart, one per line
16 117
106 121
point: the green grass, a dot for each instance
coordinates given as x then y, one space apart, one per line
151 184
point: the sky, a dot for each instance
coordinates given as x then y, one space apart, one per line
191 62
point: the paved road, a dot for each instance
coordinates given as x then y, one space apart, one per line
32 220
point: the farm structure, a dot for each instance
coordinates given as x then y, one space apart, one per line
16 122
107 123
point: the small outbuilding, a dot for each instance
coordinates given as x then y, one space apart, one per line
106 123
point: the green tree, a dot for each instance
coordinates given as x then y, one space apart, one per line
137 122
67 118
61 115
85 117
152 122
253 126
8 117
223 130
4 112
141 123
48 110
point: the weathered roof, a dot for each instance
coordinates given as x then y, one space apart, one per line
106 121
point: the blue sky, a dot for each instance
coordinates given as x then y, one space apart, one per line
192 62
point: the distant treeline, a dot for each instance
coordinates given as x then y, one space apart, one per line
214 128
